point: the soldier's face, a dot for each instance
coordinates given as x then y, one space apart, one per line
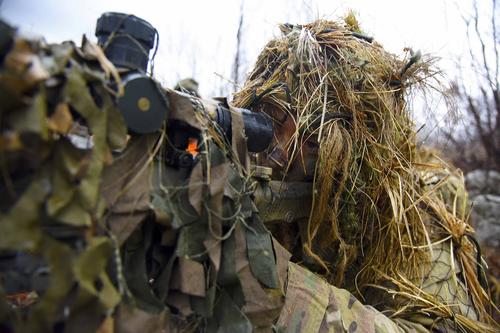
290 159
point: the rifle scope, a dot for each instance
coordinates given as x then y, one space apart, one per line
127 41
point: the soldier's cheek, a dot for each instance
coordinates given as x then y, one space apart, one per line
310 152
302 167
310 167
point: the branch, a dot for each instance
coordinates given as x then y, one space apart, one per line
481 41
237 59
495 43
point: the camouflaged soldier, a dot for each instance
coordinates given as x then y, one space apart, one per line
386 223
159 223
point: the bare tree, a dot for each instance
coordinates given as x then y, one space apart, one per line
239 51
475 137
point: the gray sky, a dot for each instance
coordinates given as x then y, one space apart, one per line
198 38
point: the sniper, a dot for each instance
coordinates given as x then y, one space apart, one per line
302 203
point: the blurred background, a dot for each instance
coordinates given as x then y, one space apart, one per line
216 42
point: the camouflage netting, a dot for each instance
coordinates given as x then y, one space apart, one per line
50 202
100 231
376 217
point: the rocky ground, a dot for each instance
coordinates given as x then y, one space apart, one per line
484 193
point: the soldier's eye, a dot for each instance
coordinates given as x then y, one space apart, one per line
277 115
312 144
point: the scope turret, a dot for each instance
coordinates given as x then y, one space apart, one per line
126 39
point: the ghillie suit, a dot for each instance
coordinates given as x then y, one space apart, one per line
386 225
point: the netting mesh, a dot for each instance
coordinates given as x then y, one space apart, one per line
444 279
